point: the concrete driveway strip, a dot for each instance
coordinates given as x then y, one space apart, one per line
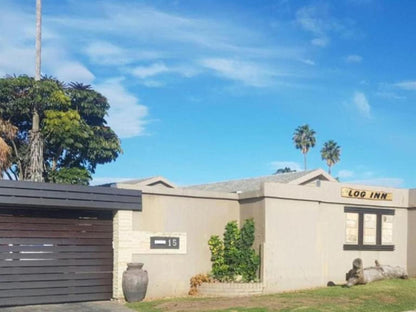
96 306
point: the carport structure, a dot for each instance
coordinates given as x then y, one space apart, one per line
56 241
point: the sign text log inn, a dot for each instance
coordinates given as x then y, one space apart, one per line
366 194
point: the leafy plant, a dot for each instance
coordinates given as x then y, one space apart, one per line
219 268
249 260
234 256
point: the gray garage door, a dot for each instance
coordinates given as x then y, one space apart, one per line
55 256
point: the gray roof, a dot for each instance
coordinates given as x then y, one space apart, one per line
249 184
136 181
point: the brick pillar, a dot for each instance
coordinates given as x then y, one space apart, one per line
122 230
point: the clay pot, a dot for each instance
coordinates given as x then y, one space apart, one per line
135 282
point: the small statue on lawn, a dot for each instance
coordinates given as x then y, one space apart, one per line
359 275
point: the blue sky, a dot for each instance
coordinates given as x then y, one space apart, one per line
204 91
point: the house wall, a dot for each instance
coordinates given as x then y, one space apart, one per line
305 234
300 233
191 215
411 244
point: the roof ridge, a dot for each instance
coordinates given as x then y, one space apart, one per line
253 178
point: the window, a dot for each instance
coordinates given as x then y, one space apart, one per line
368 229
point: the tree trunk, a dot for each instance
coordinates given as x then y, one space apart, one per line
38 38
304 160
360 275
36 141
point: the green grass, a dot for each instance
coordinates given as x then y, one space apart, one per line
390 295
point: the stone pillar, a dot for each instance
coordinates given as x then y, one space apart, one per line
122 235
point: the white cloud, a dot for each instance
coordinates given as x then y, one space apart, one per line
390 95
320 42
353 58
152 83
317 20
149 71
342 174
72 71
15 60
308 62
406 85
142 41
155 69
146 26
361 104
106 53
109 54
250 74
126 115
310 19
283 164
387 182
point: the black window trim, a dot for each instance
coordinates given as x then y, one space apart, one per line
379 213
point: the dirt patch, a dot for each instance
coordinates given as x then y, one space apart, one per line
388 299
272 303
209 304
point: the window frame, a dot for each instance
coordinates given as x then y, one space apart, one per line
379 214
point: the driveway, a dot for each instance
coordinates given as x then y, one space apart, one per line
96 306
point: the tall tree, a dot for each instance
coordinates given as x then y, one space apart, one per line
304 139
72 123
331 152
36 141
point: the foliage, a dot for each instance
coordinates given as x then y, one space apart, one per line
331 152
7 132
219 268
249 260
234 256
383 296
304 139
196 281
69 176
284 170
72 123
232 249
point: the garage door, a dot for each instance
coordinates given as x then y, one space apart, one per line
55 256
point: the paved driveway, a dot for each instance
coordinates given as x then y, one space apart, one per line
96 306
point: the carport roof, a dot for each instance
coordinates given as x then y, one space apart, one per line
48 195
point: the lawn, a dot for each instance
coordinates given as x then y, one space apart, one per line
390 295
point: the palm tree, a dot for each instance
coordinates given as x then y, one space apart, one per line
7 132
304 139
284 170
36 141
331 152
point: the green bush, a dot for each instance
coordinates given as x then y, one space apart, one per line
234 256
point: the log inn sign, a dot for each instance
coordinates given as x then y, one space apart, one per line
366 194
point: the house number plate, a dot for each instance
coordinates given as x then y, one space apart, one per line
164 242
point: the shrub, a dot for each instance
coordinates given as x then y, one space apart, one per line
219 268
234 256
196 281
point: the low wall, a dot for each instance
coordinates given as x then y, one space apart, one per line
230 289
